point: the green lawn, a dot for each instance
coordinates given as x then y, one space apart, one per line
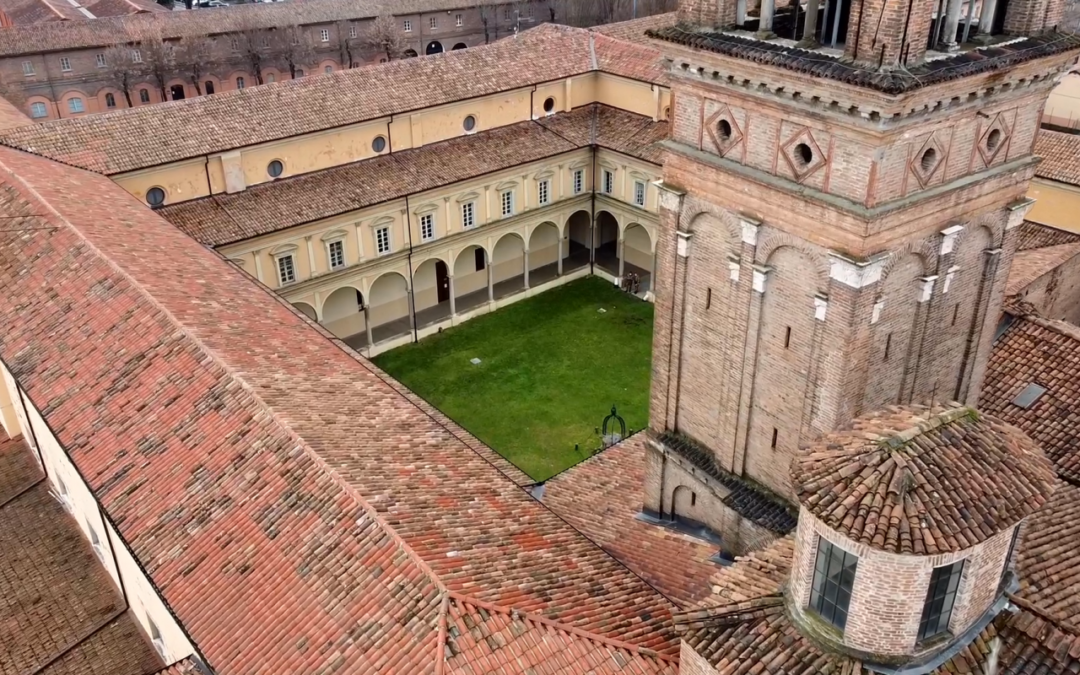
551 368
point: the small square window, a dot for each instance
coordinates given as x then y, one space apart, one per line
286 270
65 64
299 73
940 597
382 240
136 56
28 68
507 201
543 192
579 181
328 69
468 215
834 577
609 181
324 35
101 61
408 26
427 227
1029 396
506 13
458 20
433 22
335 251
639 193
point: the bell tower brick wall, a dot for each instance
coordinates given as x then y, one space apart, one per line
826 250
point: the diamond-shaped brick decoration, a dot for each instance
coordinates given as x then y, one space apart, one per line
724 130
926 162
994 139
803 154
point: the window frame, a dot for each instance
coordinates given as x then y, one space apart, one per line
280 265
459 21
95 542
136 56
324 35
155 638
468 215
427 220
543 191
330 254
640 187
164 196
76 101
65 64
240 82
100 60
110 100
607 183
407 27
352 31
940 600
389 240
327 69
64 495
144 95
44 110
822 586
28 68
506 202
433 22
578 180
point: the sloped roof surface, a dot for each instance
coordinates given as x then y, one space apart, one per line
1047 566
1028 266
245 458
923 481
1060 154
104 8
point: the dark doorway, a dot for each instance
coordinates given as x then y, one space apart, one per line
460 45
434 48
481 259
209 87
177 92
442 281
409 53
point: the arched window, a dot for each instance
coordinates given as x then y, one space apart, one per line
144 95
328 69
271 78
208 87
75 105
239 83
38 110
110 101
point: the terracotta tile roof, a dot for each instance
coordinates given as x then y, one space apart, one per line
634 29
11 116
57 36
1035 235
185 667
749 499
271 207
1060 154
1047 353
135 138
482 638
1046 563
356 507
104 8
816 64
915 480
602 498
31 12
635 60
59 610
1028 266
744 630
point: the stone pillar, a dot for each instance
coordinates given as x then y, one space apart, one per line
592 241
810 27
453 300
768 8
491 282
620 252
753 326
560 256
666 313
367 326
952 24
526 253
986 19
412 307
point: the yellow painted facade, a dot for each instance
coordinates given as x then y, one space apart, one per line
1056 204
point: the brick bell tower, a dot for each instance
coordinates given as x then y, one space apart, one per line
840 193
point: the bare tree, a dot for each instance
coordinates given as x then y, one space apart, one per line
122 70
253 44
489 16
384 36
349 42
192 58
158 61
290 46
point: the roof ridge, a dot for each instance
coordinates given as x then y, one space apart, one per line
556 625
922 426
19 184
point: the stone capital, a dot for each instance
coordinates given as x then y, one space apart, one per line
856 273
821 306
1018 210
926 287
750 229
948 238
761 274
684 243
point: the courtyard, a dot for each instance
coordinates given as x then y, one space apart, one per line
550 368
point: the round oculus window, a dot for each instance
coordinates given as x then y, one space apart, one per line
275 168
470 123
155 196
549 104
803 154
379 144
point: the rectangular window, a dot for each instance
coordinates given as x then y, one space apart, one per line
100 60
408 26
433 22
65 497
940 597
427 227
136 56
834 576
382 240
787 337
708 298
506 13
468 215
75 105
335 251
286 270
27 68
95 542
458 20
507 199
543 191
639 193
609 181
579 181
888 347
775 437
155 638
324 35
65 64
352 30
